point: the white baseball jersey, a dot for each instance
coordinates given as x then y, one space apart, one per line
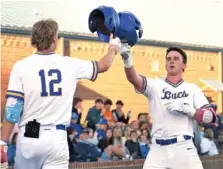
160 91
47 84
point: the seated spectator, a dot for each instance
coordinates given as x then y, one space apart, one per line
86 151
118 114
102 127
106 141
94 114
72 152
92 137
133 145
144 118
11 152
118 148
144 145
208 146
75 126
77 108
134 125
107 113
127 132
145 132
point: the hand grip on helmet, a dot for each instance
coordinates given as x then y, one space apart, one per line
115 44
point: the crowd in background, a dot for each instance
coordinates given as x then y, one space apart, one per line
111 134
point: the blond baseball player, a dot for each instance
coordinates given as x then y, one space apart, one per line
39 97
173 104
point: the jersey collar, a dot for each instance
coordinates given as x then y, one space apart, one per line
174 85
50 53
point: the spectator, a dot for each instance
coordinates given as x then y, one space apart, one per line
118 148
145 132
72 152
107 113
142 117
118 114
92 137
86 151
75 126
127 132
144 145
106 141
134 125
208 146
102 127
94 114
77 108
11 152
133 145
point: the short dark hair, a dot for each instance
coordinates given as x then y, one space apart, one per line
119 102
76 100
140 114
70 130
98 101
183 54
108 102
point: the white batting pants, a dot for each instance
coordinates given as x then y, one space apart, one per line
49 151
181 155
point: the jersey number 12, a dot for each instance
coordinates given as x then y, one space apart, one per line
51 87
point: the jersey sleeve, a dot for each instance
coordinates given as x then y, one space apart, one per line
199 98
86 69
15 86
147 87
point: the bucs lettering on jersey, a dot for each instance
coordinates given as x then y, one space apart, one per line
160 91
47 84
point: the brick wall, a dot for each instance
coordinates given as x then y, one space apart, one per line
111 84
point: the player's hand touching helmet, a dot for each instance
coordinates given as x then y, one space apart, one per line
126 55
115 44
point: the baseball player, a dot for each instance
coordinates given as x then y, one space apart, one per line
42 86
173 104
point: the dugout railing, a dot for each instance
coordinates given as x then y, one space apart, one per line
215 162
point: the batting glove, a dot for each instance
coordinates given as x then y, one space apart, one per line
115 44
126 55
184 108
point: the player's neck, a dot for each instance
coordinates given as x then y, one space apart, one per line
174 79
51 49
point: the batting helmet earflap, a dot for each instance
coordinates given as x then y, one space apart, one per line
129 24
104 20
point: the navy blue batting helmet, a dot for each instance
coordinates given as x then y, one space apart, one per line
104 20
129 25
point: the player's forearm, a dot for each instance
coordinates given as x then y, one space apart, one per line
105 63
7 128
134 78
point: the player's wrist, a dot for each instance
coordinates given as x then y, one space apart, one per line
127 60
192 112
